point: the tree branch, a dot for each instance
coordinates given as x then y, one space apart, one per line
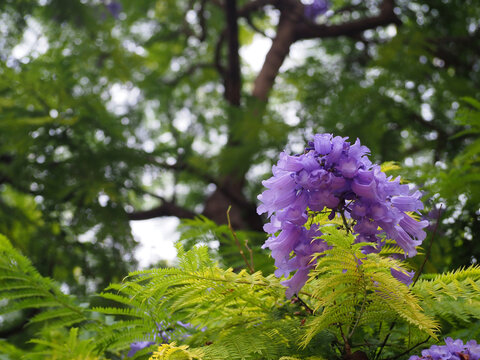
254 27
189 71
235 198
410 349
309 30
277 54
429 249
167 208
293 27
421 121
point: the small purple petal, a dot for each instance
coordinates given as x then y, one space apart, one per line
317 8
404 277
322 143
137 346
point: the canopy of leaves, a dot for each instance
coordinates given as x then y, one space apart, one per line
114 111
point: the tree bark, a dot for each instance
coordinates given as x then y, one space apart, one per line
229 191
277 54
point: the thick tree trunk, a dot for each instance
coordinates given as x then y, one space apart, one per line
245 217
230 194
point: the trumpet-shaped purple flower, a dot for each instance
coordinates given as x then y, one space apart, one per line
452 350
336 175
404 277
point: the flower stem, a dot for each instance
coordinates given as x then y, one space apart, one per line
237 242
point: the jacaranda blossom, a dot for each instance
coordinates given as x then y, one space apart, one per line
316 8
334 175
452 350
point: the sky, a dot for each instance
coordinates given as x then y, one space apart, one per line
156 238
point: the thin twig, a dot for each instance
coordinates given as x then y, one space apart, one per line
413 347
202 21
417 275
304 304
305 293
348 349
186 73
359 314
255 28
347 227
251 254
385 340
427 254
249 266
337 344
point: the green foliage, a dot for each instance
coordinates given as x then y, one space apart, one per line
237 315
400 90
23 288
89 163
453 297
172 352
23 219
9 351
353 290
464 171
235 308
202 230
454 183
75 166
65 346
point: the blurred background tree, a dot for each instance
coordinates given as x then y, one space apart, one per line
115 111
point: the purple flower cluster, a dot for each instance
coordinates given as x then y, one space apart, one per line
335 175
316 8
452 350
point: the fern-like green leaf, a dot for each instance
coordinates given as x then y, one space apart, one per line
453 296
24 288
235 309
65 346
350 289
